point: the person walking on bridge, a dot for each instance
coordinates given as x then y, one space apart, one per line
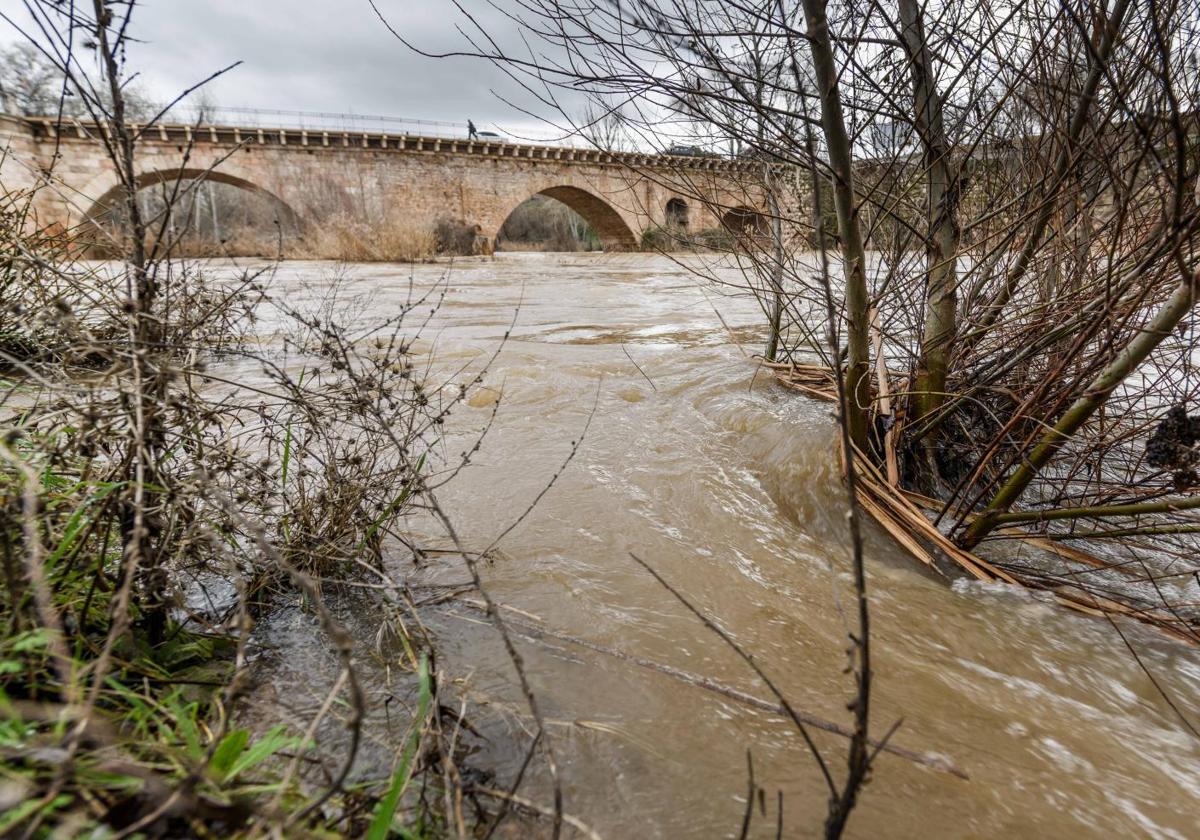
472 134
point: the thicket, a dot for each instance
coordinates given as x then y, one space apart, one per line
155 509
667 240
184 452
1006 206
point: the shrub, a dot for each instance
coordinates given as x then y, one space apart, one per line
658 239
455 238
715 239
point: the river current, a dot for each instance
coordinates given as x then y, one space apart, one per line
729 487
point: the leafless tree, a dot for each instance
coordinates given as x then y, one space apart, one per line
1008 192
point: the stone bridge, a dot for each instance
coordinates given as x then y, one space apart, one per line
310 175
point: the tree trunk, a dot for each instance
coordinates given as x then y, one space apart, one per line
941 243
776 309
858 371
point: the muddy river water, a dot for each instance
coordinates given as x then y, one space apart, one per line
728 486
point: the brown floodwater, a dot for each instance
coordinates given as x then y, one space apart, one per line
728 485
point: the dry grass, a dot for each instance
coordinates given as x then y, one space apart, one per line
338 238
392 239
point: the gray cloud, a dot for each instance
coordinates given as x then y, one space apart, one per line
331 55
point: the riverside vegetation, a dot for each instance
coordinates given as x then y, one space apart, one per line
143 536
153 510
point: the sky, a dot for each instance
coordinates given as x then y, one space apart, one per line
321 55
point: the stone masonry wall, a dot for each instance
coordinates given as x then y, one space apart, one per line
366 178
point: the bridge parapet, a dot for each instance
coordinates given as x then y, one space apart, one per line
51 128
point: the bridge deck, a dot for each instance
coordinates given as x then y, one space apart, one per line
50 128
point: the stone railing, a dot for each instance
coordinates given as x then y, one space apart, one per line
50 129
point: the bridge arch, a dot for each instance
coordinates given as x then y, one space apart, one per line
677 214
108 199
614 232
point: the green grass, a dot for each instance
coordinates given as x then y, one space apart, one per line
382 824
159 724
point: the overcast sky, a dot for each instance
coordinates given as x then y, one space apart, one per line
320 55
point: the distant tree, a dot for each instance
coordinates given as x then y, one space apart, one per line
605 127
33 85
29 82
205 106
